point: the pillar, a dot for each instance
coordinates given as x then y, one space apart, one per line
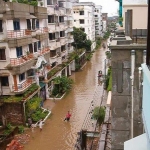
47 91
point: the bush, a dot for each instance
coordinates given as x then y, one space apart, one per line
109 80
99 114
21 129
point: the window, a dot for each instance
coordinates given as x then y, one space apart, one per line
50 19
2 54
16 24
62 48
81 12
28 24
62 33
19 51
51 36
49 2
35 46
1 26
4 81
21 77
61 19
30 48
81 21
39 44
95 15
33 24
30 72
74 20
37 23
74 12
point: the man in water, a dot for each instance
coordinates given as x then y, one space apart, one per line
67 116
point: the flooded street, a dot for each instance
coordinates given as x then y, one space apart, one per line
58 134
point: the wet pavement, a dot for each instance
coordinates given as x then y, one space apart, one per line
58 134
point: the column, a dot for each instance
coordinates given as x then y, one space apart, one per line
15 82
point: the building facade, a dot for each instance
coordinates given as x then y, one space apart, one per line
98 21
83 14
104 22
24 38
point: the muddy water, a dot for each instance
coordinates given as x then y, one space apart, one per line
60 135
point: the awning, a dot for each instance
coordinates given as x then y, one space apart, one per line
41 61
34 40
137 143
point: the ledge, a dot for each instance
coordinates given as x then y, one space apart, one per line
53 98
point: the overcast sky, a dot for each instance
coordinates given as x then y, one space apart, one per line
108 6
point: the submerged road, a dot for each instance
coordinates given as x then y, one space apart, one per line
58 134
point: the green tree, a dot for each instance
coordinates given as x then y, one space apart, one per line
80 40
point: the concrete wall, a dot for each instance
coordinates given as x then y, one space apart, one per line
13 113
121 94
139 15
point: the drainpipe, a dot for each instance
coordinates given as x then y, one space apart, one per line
132 82
144 56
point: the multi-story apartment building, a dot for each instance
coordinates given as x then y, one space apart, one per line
23 43
98 20
83 14
104 22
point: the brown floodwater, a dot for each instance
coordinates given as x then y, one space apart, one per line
58 134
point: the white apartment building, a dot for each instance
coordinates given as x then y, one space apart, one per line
33 41
83 14
23 41
98 20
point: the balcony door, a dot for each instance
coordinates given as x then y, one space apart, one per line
16 24
30 48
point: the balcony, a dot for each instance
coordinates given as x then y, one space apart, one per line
18 38
42 33
21 60
41 12
24 85
44 51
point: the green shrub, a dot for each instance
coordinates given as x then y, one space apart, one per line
21 129
99 114
33 104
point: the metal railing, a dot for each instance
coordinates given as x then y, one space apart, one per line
25 32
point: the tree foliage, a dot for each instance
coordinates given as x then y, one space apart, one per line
99 114
80 39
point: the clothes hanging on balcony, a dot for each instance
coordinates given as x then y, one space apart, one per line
41 61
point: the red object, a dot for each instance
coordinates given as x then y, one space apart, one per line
68 115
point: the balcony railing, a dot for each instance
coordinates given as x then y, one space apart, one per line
44 50
20 60
24 32
23 59
24 85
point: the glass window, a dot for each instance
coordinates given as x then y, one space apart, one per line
19 51
16 24
62 33
4 81
2 54
21 77
50 19
37 23
1 26
35 47
81 21
33 24
49 2
39 44
81 12
30 72
28 24
51 36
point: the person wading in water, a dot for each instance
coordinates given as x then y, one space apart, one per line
67 116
